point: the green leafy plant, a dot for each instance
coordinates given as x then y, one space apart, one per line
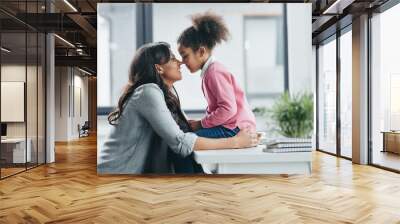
293 115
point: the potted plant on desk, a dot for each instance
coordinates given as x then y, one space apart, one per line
293 115
290 116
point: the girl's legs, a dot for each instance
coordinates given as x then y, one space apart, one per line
217 132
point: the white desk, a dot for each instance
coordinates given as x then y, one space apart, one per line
254 161
18 149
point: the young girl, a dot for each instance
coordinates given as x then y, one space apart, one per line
228 110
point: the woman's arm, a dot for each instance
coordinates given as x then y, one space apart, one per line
243 139
153 108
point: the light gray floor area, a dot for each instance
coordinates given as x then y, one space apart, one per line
387 159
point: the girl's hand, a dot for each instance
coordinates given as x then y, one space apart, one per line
246 138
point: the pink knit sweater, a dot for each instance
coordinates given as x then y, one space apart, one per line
227 104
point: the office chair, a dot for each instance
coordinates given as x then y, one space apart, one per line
84 130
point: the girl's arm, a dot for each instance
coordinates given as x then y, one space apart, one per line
243 139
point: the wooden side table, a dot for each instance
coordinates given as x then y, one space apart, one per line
391 141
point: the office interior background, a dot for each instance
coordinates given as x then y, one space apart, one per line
49 77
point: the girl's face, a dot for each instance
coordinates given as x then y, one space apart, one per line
192 59
170 71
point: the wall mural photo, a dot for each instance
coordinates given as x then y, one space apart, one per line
183 95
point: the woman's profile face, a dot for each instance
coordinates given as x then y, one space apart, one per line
172 70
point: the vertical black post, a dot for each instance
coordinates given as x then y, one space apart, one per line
47 4
144 23
69 92
338 73
369 90
26 86
317 97
285 50
1 163
37 89
73 91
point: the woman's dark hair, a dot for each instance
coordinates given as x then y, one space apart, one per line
143 71
207 30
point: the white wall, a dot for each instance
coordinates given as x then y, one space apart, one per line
33 125
68 82
61 103
12 73
299 45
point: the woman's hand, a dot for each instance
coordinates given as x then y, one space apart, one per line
246 138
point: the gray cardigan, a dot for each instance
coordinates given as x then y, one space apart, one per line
139 141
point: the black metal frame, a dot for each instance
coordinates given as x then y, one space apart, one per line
285 48
316 97
0 89
369 78
338 98
144 23
44 73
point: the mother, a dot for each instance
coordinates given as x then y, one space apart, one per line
149 120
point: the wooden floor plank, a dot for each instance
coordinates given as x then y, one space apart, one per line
70 191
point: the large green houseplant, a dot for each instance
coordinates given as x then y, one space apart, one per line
293 115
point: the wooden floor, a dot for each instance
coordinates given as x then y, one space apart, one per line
70 191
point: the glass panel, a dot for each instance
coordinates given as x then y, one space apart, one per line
41 98
346 94
31 86
116 47
13 87
31 97
386 89
327 97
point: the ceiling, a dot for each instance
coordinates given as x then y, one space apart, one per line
75 21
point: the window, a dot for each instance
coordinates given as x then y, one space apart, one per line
385 89
346 94
327 96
